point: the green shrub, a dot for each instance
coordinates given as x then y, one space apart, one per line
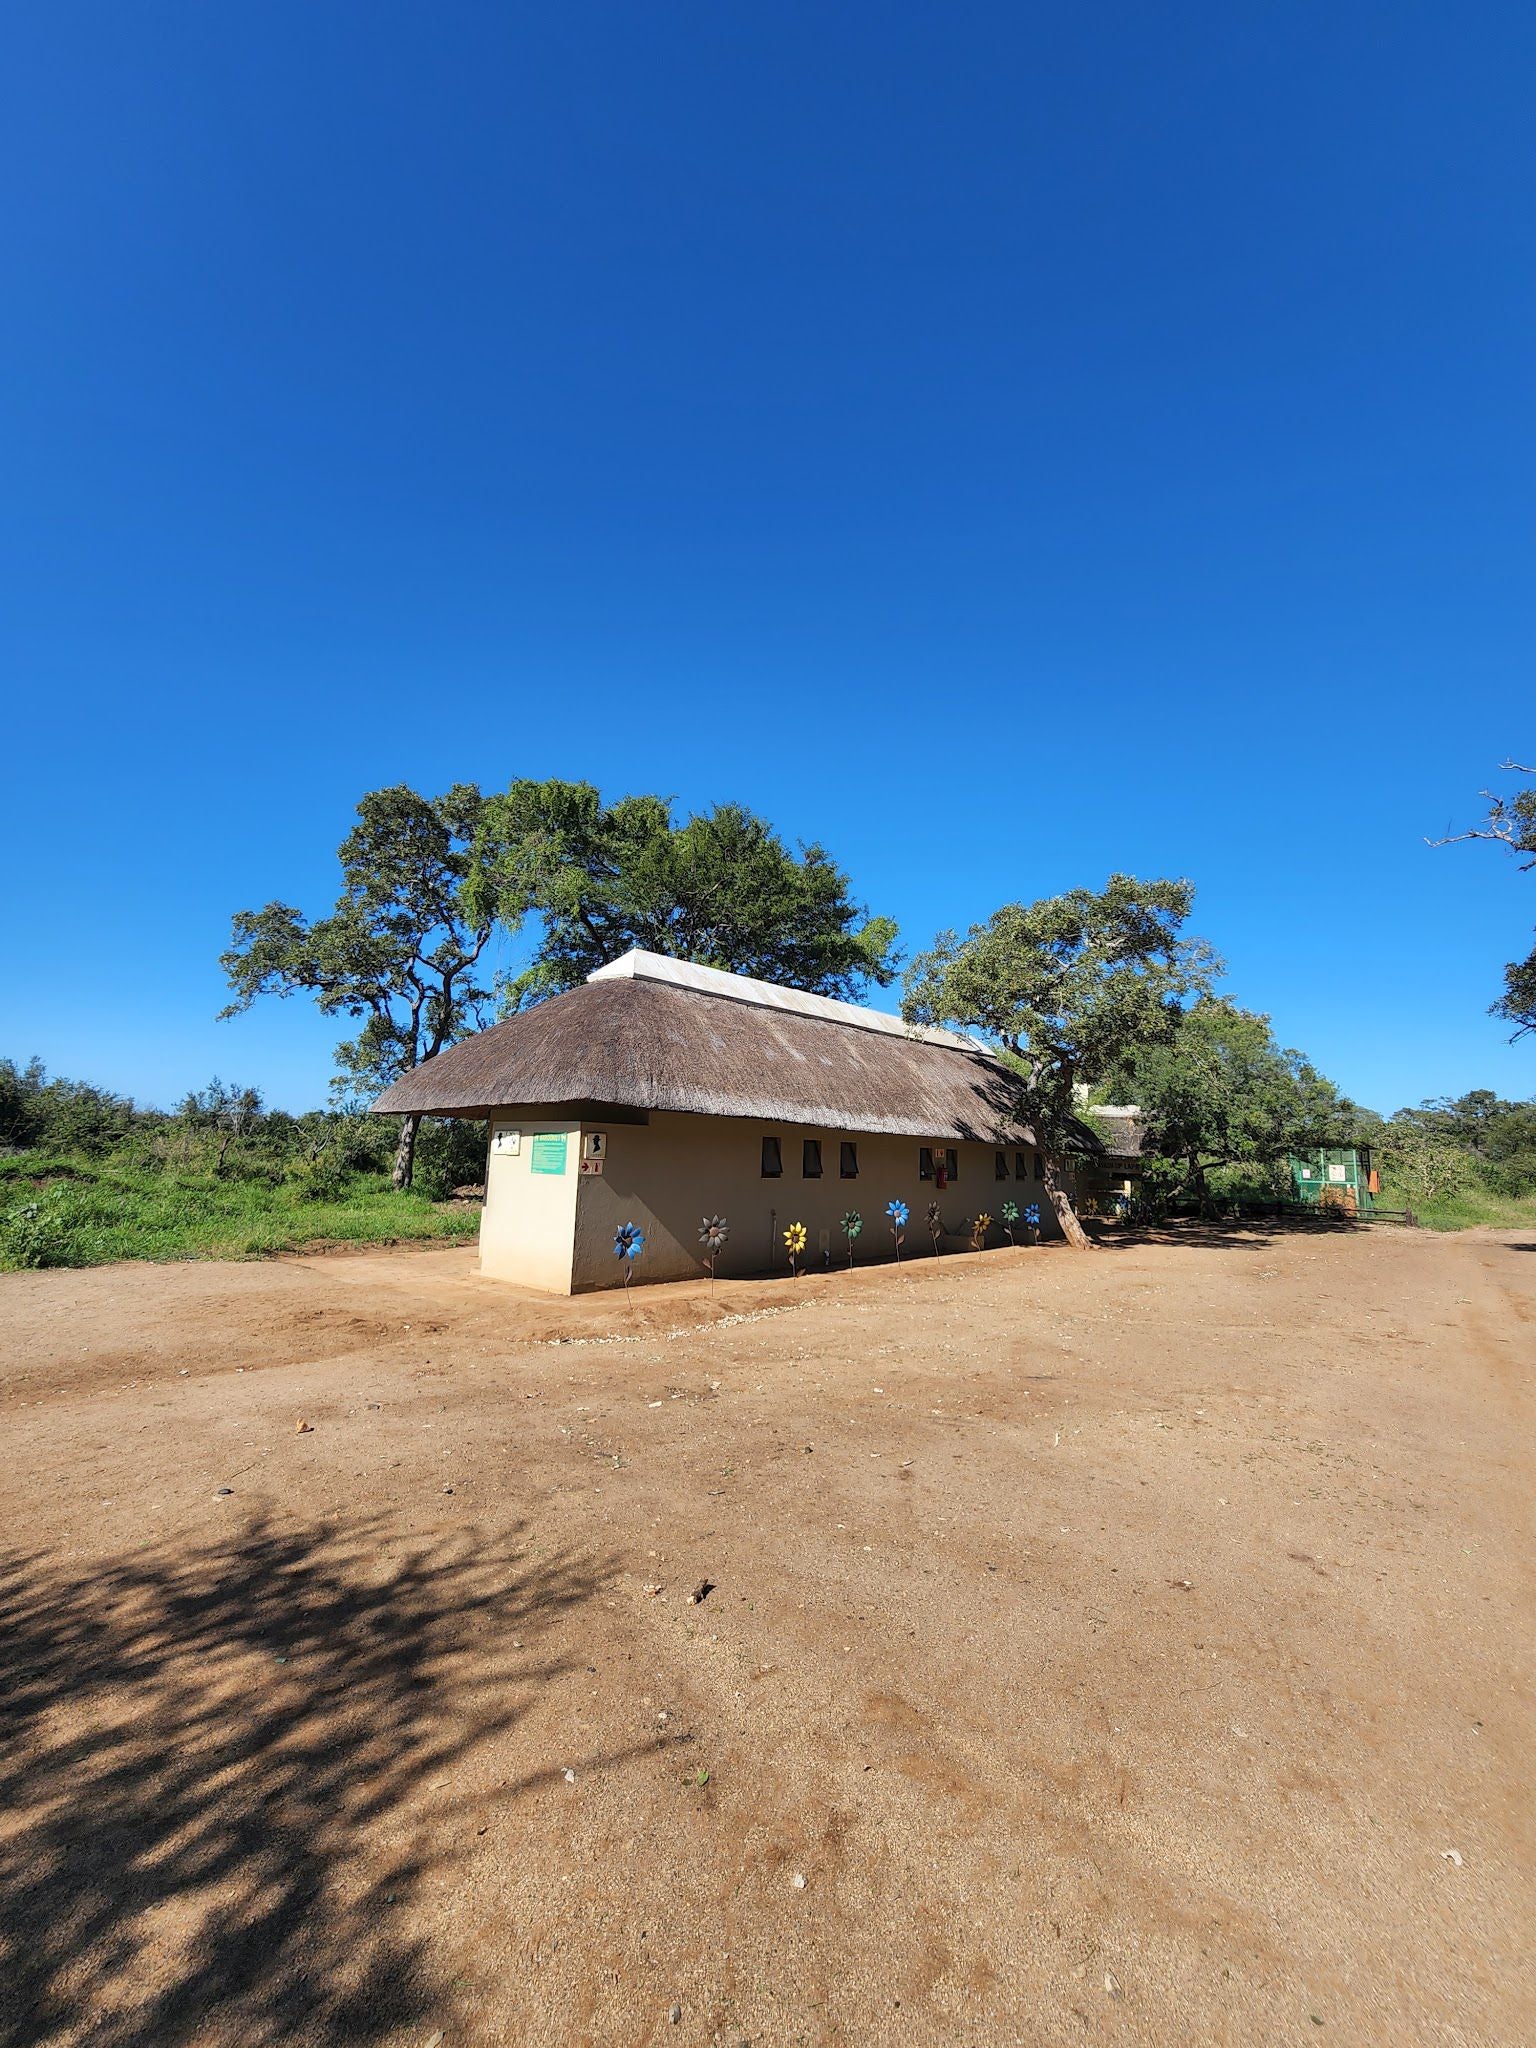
449 1154
319 1180
48 1231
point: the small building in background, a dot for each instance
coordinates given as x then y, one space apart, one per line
1336 1176
659 1093
1115 1175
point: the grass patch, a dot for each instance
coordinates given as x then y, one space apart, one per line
1480 1208
61 1210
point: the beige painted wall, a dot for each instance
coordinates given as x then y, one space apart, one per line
529 1223
665 1175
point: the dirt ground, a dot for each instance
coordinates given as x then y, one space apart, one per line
1124 1647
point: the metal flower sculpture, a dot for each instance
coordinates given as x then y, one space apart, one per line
1032 1218
935 1226
1010 1218
628 1244
979 1229
898 1213
712 1235
853 1223
794 1240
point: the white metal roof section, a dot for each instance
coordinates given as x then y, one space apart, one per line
639 965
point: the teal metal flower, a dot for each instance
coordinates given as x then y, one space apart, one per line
852 1223
1010 1212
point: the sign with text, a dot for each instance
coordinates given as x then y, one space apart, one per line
548 1152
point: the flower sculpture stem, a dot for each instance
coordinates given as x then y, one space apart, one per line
628 1244
853 1223
898 1213
794 1240
712 1235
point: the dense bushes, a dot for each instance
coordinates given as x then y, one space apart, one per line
71 1115
1464 1155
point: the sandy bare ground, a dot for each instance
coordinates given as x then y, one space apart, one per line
1133 1647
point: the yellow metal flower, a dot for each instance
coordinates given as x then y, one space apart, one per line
794 1237
983 1222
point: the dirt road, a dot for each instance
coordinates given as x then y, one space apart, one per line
1132 1647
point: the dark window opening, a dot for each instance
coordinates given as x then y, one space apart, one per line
773 1161
848 1161
925 1163
1020 1166
1039 1169
810 1159
999 1165
952 1163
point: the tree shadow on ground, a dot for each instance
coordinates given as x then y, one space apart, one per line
201 1754
1224 1233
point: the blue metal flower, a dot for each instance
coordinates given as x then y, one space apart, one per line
1032 1215
628 1242
898 1212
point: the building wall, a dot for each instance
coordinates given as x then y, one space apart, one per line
529 1223
668 1174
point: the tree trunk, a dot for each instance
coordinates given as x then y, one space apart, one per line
1066 1215
405 1151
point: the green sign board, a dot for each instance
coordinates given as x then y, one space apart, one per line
549 1152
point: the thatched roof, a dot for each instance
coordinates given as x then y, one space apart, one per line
656 1035
1121 1129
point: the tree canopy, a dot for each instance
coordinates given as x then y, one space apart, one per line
1068 986
400 950
721 889
1219 1091
1511 823
427 880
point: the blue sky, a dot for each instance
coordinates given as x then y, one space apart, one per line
1006 442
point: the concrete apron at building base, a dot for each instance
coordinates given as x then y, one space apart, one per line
557 1193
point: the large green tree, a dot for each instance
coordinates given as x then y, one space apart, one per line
1511 823
1219 1091
400 951
1068 987
722 889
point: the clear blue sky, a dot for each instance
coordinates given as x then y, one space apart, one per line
1008 442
